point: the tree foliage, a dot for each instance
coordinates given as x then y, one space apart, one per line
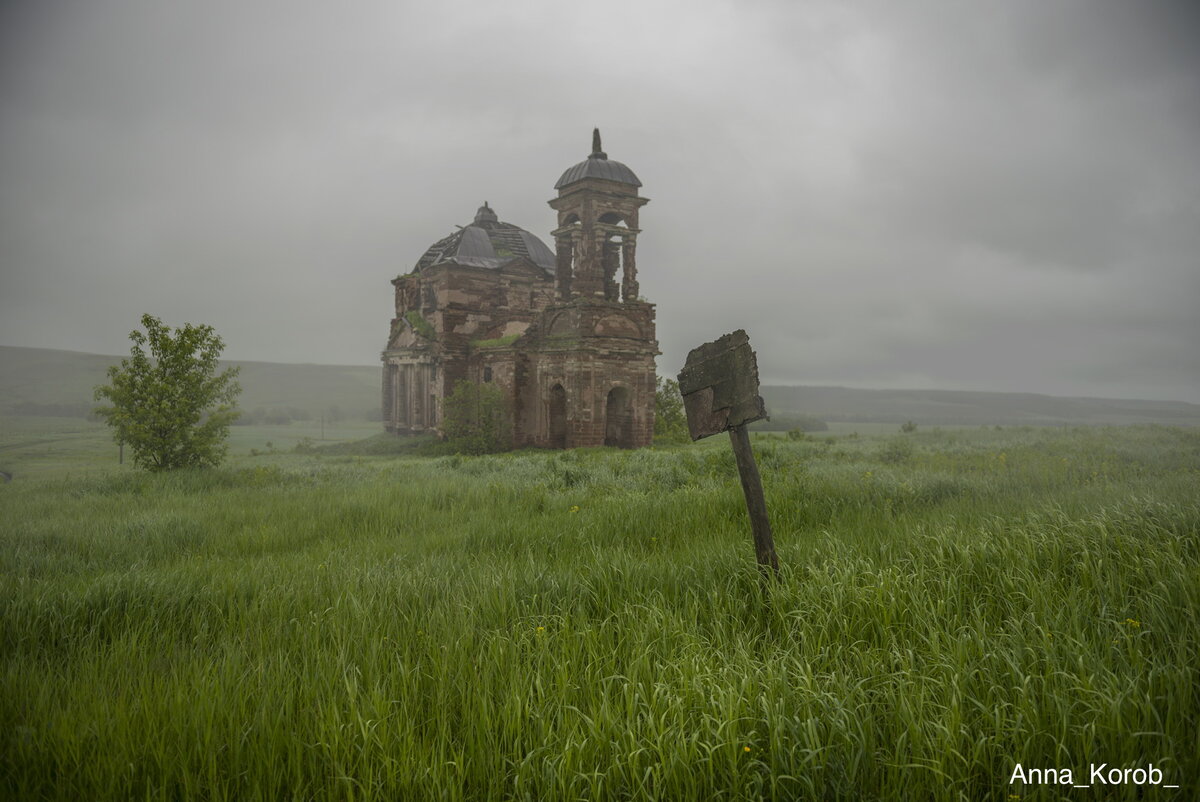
171 406
670 419
476 418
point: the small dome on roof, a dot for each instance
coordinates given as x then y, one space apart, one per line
486 215
487 242
598 165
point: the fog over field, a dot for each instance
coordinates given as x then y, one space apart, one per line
973 196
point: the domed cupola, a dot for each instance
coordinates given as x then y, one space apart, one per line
598 165
487 242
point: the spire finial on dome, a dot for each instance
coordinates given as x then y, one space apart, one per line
485 214
597 153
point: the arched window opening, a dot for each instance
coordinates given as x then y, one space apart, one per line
558 417
618 419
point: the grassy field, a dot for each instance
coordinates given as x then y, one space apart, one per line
38 448
589 624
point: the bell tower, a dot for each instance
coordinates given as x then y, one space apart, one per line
588 371
596 239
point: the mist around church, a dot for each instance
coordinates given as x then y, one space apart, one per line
458 542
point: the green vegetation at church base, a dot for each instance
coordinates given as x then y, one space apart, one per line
590 625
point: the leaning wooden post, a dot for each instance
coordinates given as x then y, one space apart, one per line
719 384
756 504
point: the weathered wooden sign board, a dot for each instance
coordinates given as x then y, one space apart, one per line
719 385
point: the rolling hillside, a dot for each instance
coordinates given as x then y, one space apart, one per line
38 380
960 407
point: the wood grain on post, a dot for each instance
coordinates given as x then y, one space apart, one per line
756 503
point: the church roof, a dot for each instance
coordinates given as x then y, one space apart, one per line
487 242
598 165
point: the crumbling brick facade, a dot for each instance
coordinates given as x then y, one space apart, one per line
563 333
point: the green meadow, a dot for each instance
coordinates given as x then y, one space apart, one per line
352 620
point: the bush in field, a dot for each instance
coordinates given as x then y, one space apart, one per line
171 407
670 420
476 419
908 427
896 450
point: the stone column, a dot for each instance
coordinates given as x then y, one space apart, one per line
629 283
389 380
589 270
403 384
564 246
612 260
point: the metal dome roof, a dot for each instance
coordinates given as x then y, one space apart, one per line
487 242
598 165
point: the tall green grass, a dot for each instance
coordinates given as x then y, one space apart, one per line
590 625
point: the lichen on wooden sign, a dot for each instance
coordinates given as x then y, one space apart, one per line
719 384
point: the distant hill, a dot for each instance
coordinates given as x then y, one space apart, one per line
44 381
950 407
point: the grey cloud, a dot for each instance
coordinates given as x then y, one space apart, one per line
1001 196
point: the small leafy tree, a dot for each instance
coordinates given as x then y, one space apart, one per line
171 406
670 419
476 418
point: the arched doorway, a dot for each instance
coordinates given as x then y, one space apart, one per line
618 419
558 417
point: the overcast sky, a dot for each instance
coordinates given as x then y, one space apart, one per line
961 195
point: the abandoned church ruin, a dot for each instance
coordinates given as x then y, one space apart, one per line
564 334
